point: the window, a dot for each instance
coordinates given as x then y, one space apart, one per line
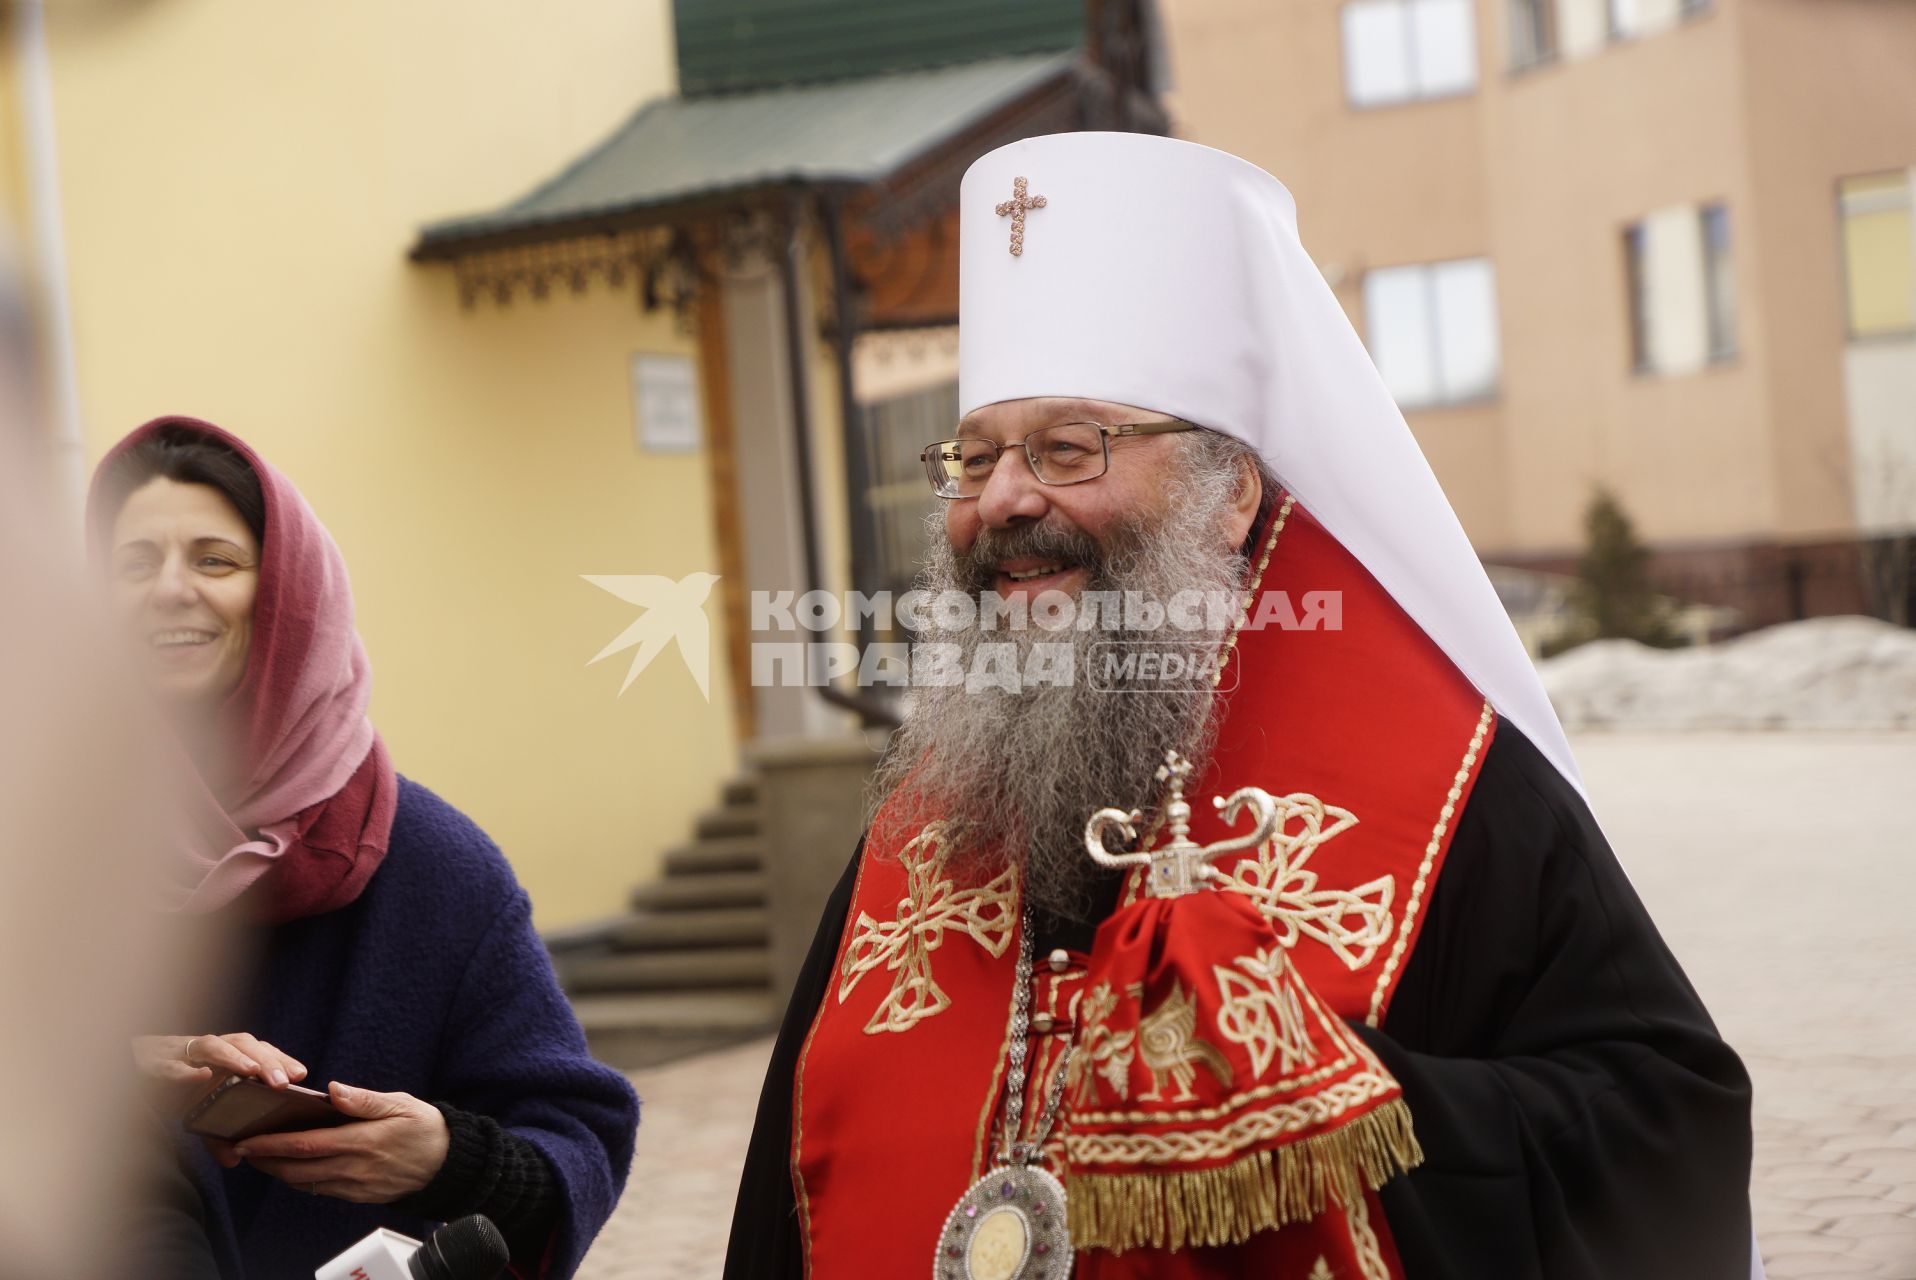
1719 295
896 430
1545 30
1879 254
1682 291
1632 18
1533 32
1432 331
1401 50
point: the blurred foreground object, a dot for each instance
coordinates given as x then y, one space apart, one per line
83 960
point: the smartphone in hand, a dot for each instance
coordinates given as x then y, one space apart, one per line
240 1107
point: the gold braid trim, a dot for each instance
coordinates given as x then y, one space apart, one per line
1484 720
1261 1191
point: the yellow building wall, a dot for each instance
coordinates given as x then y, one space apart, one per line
13 193
240 184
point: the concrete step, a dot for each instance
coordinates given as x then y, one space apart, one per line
630 1031
677 1011
730 853
732 820
732 968
702 892
742 790
675 930
594 935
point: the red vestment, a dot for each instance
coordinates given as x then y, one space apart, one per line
1371 739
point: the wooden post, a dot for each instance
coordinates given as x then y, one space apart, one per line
715 386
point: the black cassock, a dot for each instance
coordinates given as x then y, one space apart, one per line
1580 1117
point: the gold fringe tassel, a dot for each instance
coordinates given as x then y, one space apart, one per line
1259 1192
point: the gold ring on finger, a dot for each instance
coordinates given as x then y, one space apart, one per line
186 1054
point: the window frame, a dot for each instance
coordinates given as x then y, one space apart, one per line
1637 298
1426 278
1720 330
1541 23
1850 333
1719 273
1416 94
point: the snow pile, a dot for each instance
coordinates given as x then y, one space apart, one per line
1824 673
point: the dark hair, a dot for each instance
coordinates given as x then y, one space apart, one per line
184 455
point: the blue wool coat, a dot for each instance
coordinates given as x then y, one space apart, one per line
432 983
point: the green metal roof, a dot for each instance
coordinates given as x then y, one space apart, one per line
729 45
677 149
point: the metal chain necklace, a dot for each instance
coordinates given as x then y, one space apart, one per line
1011 1224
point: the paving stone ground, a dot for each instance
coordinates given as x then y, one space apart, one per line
695 1120
1779 867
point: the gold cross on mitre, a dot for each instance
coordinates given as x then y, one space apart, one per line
1017 207
1181 865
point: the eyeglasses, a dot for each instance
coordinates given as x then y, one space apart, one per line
1069 453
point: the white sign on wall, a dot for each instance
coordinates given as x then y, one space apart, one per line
665 404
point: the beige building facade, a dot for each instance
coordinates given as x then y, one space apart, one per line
1657 247
215 200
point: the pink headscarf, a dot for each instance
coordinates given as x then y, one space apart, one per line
308 809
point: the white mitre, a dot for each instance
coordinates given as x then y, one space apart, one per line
1170 276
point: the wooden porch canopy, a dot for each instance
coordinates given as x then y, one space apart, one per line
878 159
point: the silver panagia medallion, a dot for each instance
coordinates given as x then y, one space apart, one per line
1009 1226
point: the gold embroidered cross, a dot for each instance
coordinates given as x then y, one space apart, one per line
1017 207
1353 923
903 946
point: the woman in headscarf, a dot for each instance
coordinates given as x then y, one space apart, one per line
396 957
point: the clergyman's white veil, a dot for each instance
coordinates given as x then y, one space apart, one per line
1170 276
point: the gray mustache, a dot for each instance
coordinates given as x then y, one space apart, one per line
993 547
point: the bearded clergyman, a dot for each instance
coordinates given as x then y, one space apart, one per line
1270 940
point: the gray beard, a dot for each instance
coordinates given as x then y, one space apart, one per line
1015 775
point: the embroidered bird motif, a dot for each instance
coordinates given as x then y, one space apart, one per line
1169 1047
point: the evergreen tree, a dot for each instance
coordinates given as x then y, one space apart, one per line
1613 598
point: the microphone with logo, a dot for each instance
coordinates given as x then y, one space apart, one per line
469 1249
